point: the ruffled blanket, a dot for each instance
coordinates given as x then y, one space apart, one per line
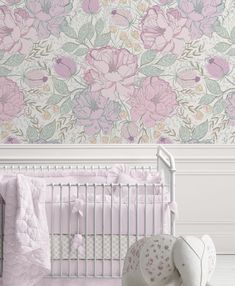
26 236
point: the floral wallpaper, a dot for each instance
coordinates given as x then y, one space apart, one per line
117 71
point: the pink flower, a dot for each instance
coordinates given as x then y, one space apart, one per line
164 31
65 67
95 112
230 108
17 33
121 17
111 71
129 131
48 14
188 78
154 101
90 6
217 67
11 99
201 15
165 2
35 78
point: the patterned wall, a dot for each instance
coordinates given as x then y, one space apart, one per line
117 71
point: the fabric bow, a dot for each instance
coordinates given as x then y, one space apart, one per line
78 243
78 207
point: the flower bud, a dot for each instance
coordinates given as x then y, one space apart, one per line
230 108
65 67
91 6
35 78
129 131
188 78
217 67
121 17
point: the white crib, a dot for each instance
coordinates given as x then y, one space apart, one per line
114 215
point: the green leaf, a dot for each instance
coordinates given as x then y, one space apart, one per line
14 60
184 133
222 47
81 52
99 26
66 106
221 31
231 52
4 71
1 54
86 32
70 47
232 35
54 99
60 86
200 131
207 99
69 31
167 60
48 130
151 71
147 57
213 86
219 106
32 134
102 40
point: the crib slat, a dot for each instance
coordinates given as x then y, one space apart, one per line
111 230
61 270
94 230
103 229
52 229
86 230
78 232
120 229
69 229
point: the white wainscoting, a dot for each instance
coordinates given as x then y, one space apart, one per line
205 192
205 181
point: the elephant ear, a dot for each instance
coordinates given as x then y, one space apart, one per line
157 267
211 255
191 259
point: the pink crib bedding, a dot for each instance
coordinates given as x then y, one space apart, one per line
110 218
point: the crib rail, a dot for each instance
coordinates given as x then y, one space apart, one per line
125 216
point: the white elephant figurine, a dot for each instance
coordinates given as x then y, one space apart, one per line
149 261
165 260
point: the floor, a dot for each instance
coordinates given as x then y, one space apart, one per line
223 276
225 271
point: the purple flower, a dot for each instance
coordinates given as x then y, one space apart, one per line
217 67
11 140
90 6
49 15
164 140
65 67
95 112
129 131
201 15
230 108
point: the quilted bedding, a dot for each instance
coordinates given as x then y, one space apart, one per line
26 238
